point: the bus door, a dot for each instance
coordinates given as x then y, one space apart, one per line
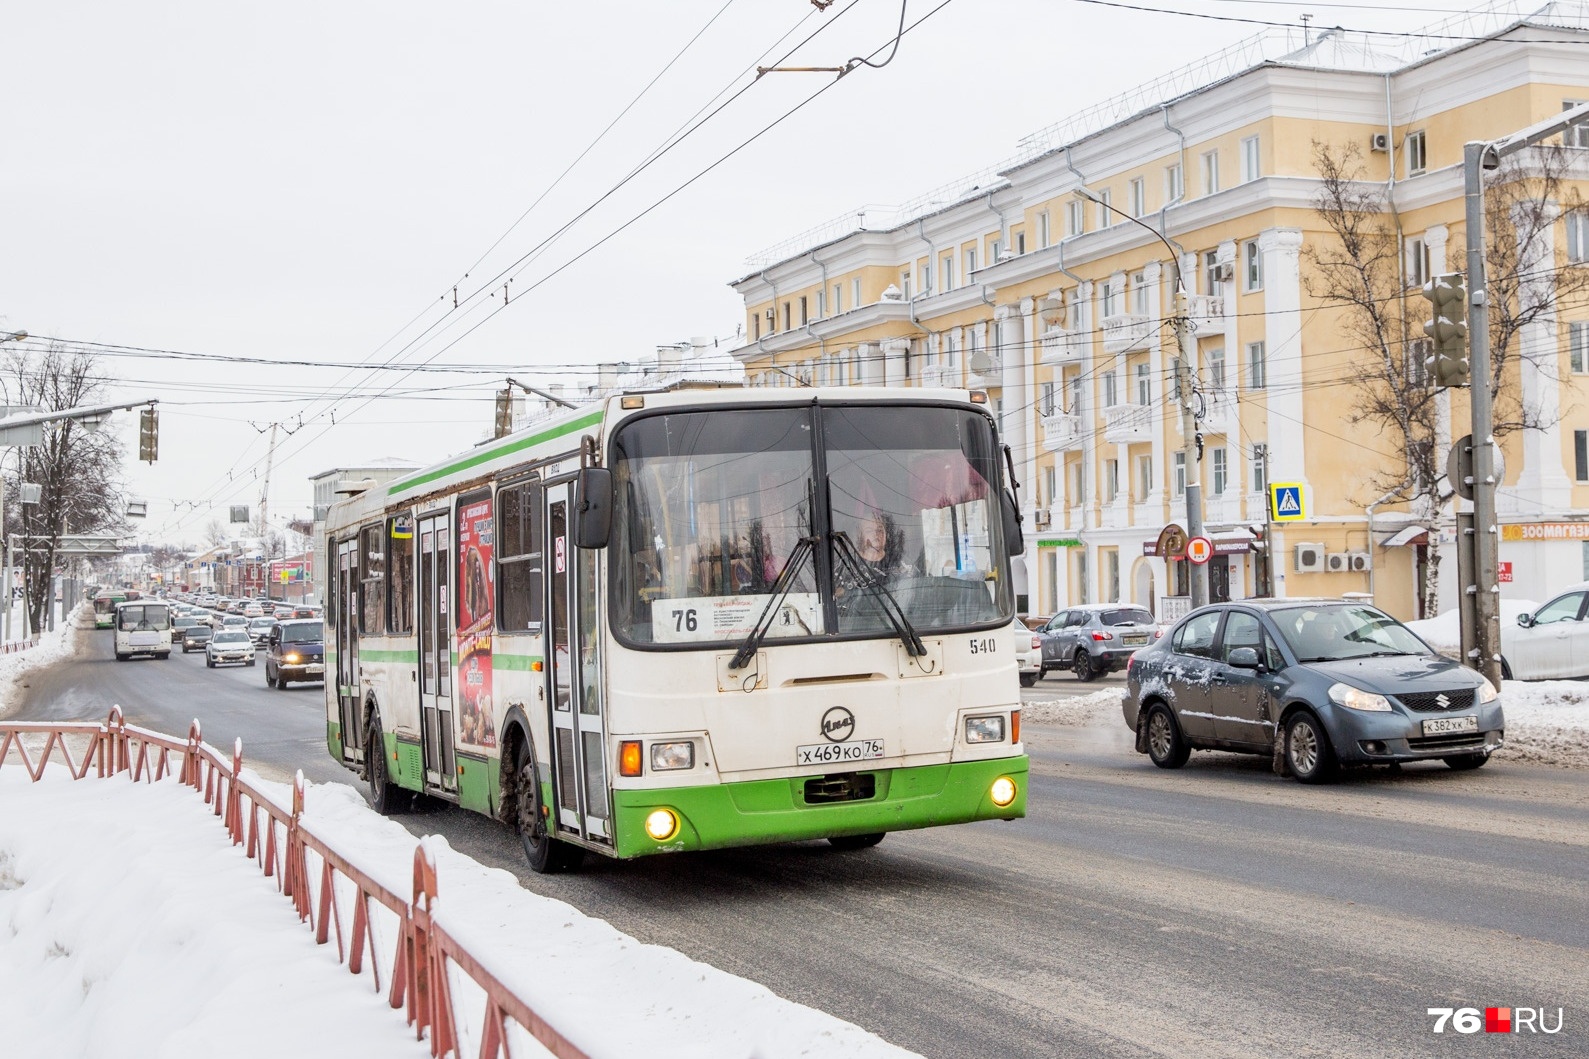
435 650
574 676
345 588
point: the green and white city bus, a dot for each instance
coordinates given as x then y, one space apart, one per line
689 619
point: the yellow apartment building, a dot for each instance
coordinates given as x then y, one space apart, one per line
1020 280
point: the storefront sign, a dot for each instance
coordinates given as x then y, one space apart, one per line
1058 542
1546 531
1171 543
1504 573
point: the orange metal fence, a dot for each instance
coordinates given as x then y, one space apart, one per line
418 972
14 646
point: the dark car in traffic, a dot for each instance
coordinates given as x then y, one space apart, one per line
295 650
1094 639
1316 684
195 636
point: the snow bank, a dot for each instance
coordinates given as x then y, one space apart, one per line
1094 709
130 926
53 646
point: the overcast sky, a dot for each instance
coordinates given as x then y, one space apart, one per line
309 181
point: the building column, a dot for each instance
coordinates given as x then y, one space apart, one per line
1016 412
894 351
1544 480
1282 249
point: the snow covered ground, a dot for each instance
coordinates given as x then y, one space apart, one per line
130 926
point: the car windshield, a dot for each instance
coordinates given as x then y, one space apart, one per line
1329 633
261 623
1125 616
307 632
231 636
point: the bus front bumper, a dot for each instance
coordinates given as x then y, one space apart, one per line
721 816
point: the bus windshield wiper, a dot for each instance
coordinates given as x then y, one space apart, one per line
886 600
802 551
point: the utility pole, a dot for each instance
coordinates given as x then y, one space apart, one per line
1186 344
1480 598
264 505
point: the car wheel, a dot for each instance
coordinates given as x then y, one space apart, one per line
383 792
848 842
1083 664
1042 673
547 855
1029 680
210 662
1167 747
249 662
1308 750
1506 669
1466 762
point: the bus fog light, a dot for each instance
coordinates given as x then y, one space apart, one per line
1002 792
985 729
662 824
666 756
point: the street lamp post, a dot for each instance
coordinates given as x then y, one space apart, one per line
1186 345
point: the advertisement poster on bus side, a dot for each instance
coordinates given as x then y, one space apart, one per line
475 602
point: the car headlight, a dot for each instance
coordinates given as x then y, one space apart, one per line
666 756
985 729
292 657
1358 699
1487 691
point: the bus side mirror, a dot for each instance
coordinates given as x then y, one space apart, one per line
1014 540
593 507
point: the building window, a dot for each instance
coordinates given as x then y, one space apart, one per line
1578 236
1109 299
971 263
996 252
822 304
1260 468
1221 470
855 293
1105 214
755 327
1045 406
1576 135
1257 368
786 316
926 277
1179 476
805 313
1578 346
1050 485
1418 353
1250 168
905 284
1075 217
1416 150
838 298
1580 452
1111 480
1213 273
1216 369
1252 264
1174 183
1076 485
1020 243
1210 172
1044 236
947 267
1144 384
1139 197
1417 262
1111 396
1144 477
1139 293
1112 575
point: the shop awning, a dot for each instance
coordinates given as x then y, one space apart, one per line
1406 535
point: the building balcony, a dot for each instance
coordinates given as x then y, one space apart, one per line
1062 433
1126 331
1062 347
1207 313
1219 509
1128 424
1221 411
941 375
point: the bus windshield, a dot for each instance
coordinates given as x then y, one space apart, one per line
143 617
710 508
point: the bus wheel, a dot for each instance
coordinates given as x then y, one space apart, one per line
856 841
383 795
547 856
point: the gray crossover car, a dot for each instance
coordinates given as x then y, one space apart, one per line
1314 683
1093 639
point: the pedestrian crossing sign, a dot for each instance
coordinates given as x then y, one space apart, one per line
1285 502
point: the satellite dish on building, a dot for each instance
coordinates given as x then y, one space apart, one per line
981 363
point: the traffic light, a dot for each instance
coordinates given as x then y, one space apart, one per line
1447 363
148 435
504 424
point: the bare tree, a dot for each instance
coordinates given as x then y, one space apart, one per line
1361 272
1523 200
216 535
78 470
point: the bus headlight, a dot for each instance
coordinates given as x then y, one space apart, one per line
662 824
668 756
1002 792
985 729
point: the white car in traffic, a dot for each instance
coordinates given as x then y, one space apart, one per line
229 646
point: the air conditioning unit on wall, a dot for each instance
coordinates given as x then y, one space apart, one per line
1379 141
1337 563
1040 516
1225 271
1361 561
1310 558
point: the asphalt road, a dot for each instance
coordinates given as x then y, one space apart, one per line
1213 911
